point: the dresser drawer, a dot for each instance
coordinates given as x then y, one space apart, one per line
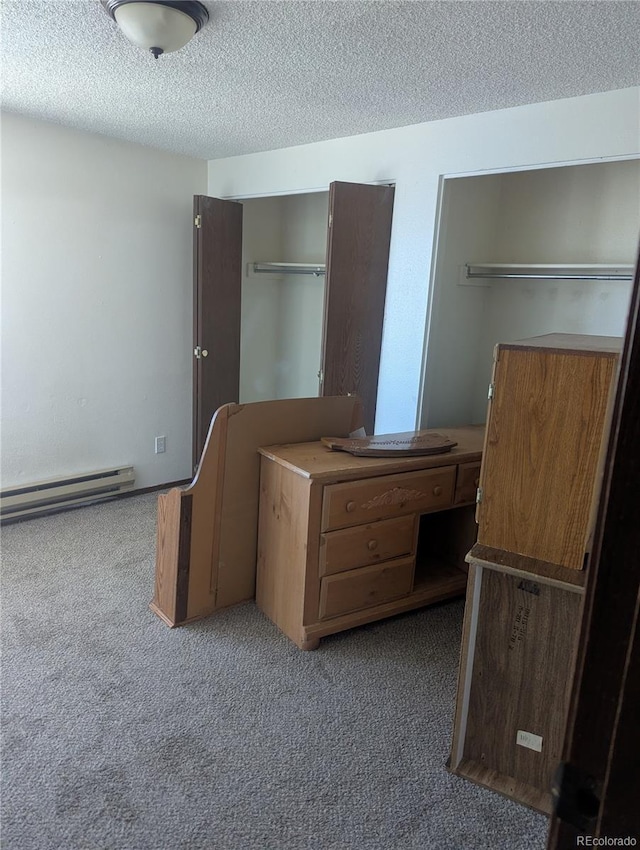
365 587
467 483
356 502
366 544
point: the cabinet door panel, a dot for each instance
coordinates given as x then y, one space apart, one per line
217 274
542 453
356 281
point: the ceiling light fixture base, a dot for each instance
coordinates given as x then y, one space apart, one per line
160 26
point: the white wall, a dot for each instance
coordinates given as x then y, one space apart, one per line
585 128
468 223
304 230
97 267
282 315
96 304
572 214
582 214
260 306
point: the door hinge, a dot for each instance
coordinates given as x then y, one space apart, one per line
330 219
576 797
491 391
320 375
198 221
199 353
479 495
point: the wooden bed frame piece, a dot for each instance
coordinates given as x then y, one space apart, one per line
207 532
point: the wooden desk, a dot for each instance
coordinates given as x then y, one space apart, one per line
346 540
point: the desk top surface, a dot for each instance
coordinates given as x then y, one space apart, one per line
315 460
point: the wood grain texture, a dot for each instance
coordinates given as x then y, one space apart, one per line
365 587
206 526
250 426
314 460
355 502
283 541
400 444
172 557
518 671
514 789
293 539
217 299
542 453
366 544
355 289
225 493
508 562
445 582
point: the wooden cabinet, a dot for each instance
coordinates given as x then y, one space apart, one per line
546 426
342 540
545 439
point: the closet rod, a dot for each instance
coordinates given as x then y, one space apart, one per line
316 269
594 271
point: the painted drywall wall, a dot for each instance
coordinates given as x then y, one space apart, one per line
415 158
304 231
468 223
572 214
96 304
281 330
583 214
260 308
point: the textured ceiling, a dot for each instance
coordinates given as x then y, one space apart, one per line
274 73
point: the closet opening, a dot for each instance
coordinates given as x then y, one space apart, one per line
284 245
520 254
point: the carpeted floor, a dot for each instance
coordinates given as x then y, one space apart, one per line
121 734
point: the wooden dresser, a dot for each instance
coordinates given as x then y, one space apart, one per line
547 427
345 540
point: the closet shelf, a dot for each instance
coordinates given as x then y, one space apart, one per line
549 271
317 269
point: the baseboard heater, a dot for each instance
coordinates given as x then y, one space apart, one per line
45 496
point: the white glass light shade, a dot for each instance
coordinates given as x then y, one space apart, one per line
149 25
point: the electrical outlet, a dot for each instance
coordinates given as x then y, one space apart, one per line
161 445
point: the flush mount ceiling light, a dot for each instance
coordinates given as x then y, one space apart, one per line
160 26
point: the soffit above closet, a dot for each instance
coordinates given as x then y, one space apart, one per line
275 73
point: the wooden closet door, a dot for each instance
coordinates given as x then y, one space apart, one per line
217 269
359 233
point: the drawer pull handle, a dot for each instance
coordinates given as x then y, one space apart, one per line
351 506
372 544
437 491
